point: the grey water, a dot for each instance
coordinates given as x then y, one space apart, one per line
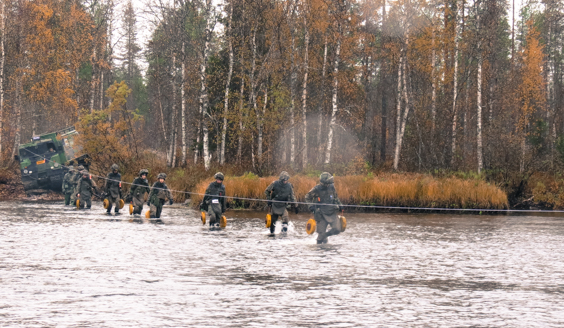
61 267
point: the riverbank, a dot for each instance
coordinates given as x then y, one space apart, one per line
413 190
538 191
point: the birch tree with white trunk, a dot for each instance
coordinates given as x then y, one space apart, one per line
227 86
183 107
204 100
401 119
479 141
172 140
304 87
455 88
334 103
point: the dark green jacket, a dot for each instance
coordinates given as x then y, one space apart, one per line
159 192
212 192
86 187
139 188
326 196
68 182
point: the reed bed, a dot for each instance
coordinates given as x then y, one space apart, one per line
385 190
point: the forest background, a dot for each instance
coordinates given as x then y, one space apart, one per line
448 88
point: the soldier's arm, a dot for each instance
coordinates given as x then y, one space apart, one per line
169 193
337 200
133 186
292 195
206 196
309 198
268 191
154 189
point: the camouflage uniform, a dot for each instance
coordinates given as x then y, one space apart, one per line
137 191
85 188
325 213
159 193
68 184
74 180
282 192
214 200
113 188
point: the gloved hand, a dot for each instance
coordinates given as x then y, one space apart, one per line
148 203
269 203
341 208
170 202
311 209
296 209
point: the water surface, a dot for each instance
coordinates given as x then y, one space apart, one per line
61 267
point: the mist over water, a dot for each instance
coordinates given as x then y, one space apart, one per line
66 268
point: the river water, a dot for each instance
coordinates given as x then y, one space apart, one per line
61 267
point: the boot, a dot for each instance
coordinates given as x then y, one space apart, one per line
285 227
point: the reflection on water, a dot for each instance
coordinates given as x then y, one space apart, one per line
66 268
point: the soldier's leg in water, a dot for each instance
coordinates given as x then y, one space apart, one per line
80 202
274 219
285 220
116 205
211 216
321 228
335 226
88 201
109 209
138 205
159 209
152 210
67 199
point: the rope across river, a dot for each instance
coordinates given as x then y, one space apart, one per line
382 207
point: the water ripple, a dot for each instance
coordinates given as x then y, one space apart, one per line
65 268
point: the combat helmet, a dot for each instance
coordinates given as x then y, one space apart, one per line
284 176
114 167
71 168
80 168
143 171
219 176
84 172
161 176
326 178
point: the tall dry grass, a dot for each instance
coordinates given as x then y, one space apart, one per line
384 190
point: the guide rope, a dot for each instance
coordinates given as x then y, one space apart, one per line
408 208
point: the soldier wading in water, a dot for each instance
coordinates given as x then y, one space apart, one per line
113 188
214 200
157 197
68 184
281 192
77 175
139 187
326 208
84 190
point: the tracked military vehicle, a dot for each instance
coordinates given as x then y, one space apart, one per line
44 160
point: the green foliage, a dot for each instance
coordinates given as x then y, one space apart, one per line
537 136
